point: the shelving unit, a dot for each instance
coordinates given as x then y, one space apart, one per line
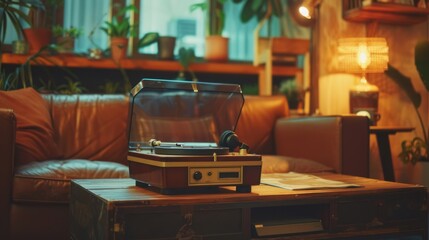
238 68
383 12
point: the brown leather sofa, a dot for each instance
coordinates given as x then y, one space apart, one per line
91 135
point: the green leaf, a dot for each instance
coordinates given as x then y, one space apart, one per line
277 7
203 6
262 13
247 12
148 39
404 82
124 10
421 59
186 57
122 28
257 5
23 4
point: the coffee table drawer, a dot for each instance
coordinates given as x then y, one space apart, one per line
205 222
369 212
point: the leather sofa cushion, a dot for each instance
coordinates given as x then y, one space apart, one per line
49 181
35 136
91 126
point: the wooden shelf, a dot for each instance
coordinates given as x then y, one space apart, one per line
390 13
73 61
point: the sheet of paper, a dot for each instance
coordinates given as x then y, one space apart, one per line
300 181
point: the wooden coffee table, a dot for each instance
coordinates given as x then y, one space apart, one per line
117 209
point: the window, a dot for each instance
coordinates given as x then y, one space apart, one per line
82 14
169 17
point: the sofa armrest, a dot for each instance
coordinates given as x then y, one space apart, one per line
7 150
340 142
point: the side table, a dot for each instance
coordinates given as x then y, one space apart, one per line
382 135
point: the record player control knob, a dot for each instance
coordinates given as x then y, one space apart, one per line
197 175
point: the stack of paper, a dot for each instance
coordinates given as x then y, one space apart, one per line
299 181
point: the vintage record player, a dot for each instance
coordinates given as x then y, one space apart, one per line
181 137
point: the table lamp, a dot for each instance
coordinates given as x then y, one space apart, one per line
363 55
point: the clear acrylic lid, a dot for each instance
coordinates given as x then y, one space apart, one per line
182 112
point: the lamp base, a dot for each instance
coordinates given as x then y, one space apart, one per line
370 113
364 101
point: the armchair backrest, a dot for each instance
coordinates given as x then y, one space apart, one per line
257 120
340 142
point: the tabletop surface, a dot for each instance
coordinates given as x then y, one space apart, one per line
124 190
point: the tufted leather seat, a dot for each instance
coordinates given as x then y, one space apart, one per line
49 181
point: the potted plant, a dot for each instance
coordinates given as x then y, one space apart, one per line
294 94
65 38
416 149
216 48
186 58
265 11
11 14
166 45
120 29
39 34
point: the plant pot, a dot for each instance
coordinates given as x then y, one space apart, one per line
65 44
166 47
416 174
118 47
19 47
216 49
37 38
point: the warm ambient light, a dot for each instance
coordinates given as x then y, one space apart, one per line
306 9
304 12
363 55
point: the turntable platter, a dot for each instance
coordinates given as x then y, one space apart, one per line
190 150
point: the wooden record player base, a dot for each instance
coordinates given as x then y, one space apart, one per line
117 209
191 190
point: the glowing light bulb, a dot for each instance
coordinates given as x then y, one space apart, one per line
363 56
304 12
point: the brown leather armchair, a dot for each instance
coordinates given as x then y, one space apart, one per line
91 132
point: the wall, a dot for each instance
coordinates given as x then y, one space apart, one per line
394 106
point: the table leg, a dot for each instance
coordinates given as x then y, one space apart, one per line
385 156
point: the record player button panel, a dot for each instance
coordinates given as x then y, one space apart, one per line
214 176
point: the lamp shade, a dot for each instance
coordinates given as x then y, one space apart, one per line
363 55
